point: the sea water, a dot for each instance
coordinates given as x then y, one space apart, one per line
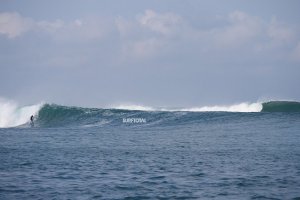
83 153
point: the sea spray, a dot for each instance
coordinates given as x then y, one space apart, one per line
11 114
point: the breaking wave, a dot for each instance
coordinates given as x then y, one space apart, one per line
52 115
11 114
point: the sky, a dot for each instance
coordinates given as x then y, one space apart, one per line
168 53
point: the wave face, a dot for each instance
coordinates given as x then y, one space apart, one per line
281 106
57 115
52 115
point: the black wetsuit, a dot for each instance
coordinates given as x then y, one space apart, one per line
31 120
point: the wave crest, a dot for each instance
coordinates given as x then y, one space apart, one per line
242 107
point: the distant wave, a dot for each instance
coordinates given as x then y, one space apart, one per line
52 115
281 106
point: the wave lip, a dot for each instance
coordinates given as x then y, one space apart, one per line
281 106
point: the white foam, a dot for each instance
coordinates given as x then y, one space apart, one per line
11 114
241 107
134 107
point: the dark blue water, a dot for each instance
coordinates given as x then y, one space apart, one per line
180 156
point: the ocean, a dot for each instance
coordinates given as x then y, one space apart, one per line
244 151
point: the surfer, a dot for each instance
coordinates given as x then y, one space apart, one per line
31 121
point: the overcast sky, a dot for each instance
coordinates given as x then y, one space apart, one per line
168 53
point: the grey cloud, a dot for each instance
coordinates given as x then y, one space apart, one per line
158 56
12 24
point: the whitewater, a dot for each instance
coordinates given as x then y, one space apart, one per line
11 114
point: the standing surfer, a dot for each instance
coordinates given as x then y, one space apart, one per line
31 121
